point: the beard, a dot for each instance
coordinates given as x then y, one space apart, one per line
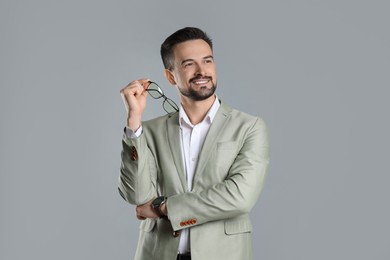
201 94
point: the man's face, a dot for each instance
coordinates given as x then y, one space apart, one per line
194 69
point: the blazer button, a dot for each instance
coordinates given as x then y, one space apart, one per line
176 233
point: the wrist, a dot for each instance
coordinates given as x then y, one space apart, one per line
164 209
133 125
158 204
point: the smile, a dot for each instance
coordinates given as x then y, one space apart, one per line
200 81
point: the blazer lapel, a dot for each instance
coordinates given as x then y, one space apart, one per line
174 140
211 139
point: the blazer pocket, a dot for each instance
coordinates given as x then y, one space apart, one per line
147 225
225 155
237 225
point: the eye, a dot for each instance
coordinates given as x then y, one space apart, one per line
188 64
208 61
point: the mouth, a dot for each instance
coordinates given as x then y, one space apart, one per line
200 81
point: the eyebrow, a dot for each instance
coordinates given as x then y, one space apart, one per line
204 58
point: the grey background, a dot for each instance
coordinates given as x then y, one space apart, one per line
316 71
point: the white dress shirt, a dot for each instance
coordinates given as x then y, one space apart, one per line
192 139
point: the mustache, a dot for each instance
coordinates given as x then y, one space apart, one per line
200 77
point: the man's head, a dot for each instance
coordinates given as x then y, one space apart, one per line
189 63
182 35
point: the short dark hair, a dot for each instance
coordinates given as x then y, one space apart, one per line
182 35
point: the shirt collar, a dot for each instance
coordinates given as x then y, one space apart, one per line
209 116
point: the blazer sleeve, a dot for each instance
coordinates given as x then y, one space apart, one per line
137 179
236 195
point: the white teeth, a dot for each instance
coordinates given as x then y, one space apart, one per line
201 82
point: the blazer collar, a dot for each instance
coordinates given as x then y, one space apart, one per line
212 137
173 130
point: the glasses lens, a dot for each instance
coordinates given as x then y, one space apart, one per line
170 106
154 90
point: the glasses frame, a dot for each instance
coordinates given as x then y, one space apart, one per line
167 103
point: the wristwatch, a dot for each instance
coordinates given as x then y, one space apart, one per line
157 203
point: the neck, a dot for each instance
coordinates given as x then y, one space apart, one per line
197 110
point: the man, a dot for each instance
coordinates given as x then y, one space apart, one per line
194 174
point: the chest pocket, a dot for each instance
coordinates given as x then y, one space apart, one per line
226 153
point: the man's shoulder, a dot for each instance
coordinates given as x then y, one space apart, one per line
239 116
156 119
161 121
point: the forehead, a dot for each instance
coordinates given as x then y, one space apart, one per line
192 49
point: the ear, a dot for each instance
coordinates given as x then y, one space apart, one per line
170 77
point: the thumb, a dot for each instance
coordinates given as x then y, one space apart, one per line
145 82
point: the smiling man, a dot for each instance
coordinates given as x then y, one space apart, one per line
196 173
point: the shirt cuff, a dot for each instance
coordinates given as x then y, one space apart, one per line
132 135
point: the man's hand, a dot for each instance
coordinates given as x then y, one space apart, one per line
134 97
146 211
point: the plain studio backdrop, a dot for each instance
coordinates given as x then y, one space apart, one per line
316 71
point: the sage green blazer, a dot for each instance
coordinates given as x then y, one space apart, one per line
229 177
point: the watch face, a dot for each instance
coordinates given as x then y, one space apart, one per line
157 201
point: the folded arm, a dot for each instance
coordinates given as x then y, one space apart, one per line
236 195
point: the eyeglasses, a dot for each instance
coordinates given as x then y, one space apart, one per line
156 92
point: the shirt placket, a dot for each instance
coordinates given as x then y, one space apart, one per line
193 154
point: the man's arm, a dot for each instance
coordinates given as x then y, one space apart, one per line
137 180
236 195
138 173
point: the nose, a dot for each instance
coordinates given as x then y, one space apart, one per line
200 70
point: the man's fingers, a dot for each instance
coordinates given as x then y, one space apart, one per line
136 87
134 96
138 213
140 217
132 89
144 83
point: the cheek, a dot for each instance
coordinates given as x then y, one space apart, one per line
185 76
212 70
178 76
